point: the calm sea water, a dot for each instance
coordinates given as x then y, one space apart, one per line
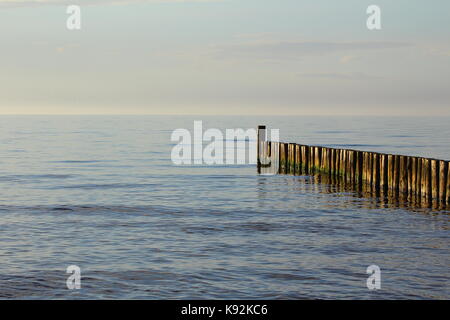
102 193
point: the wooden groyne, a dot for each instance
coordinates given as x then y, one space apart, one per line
417 180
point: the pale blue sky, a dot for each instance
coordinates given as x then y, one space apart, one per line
225 57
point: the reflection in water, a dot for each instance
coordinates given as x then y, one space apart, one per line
352 194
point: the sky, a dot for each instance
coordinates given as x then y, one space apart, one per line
280 57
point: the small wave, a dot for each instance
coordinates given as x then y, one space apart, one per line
333 131
359 145
33 177
106 186
83 161
288 276
62 209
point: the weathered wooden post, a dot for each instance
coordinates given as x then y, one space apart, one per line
298 160
275 157
317 155
323 161
312 152
359 169
403 187
384 174
448 185
419 179
424 180
293 164
443 179
377 174
435 179
367 173
427 181
262 137
354 164
396 181
413 184
329 163
409 169
284 157
346 165
307 159
334 163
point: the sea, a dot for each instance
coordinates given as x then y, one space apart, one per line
103 194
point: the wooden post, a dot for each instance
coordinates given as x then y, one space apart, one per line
409 169
372 172
368 177
261 134
369 170
288 158
338 163
316 160
344 164
283 157
364 167
359 169
448 185
348 166
427 187
435 179
324 166
303 159
396 181
298 160
391 165
306 157
318 154
323 159
275 157
413 175
355 167
419 179
311 160
264 153
424 181
377 175
329 165
330 161
443 180
384 174
403 187
351 163
332 157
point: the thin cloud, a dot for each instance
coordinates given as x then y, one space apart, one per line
26 3
296 49
340 76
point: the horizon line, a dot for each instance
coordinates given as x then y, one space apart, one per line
237 114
